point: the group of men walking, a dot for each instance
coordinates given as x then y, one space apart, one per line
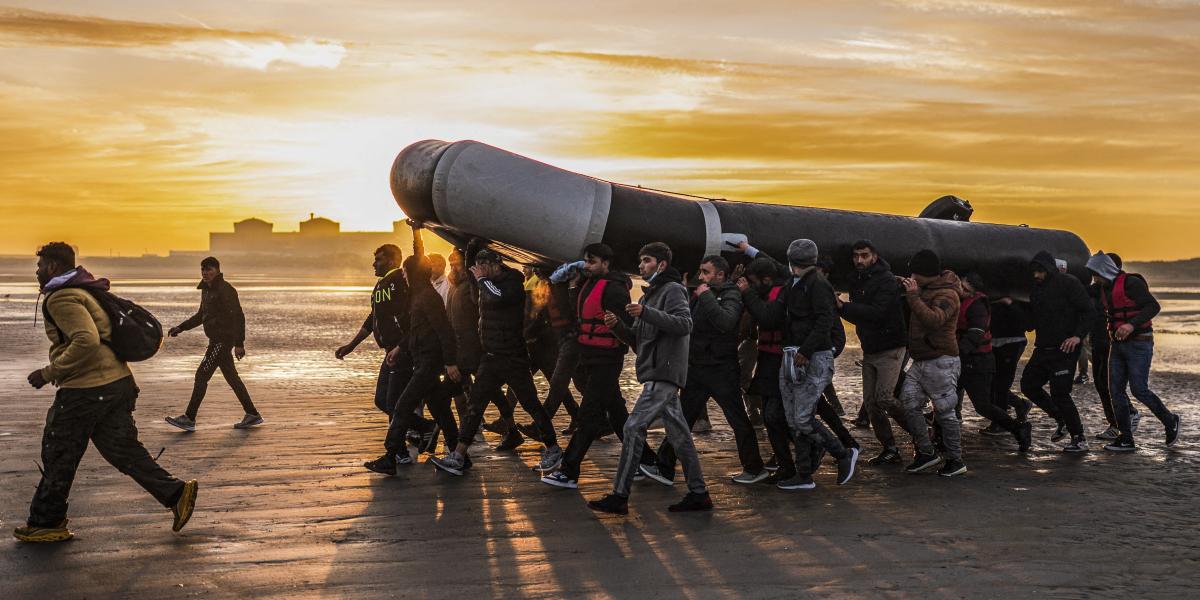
454 344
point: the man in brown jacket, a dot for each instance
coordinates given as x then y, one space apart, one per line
932 296
95 400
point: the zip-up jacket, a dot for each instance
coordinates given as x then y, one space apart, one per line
462 308
1059 306
220 313
430 335
502 313
933 318
660 335
805 310
389 310
716 315
876 309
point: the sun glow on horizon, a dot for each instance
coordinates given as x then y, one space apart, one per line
146 127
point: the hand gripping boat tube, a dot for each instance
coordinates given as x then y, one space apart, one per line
535 212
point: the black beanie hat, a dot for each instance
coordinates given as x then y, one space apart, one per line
925 262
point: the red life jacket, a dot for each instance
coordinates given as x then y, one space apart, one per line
986 346
1121 308
592 330
771 342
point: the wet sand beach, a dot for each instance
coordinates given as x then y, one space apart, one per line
287 511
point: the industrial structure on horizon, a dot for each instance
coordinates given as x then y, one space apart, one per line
317 236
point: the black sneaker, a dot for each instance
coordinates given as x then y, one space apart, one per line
952 468
1078 445
1120 445
1060 432
1024 435
692 502
846 466
498 427
1173 432
385 465
611 503
994 430
570 429
512 440
1023 407
796 482
772 465
862 423
923 462
889 456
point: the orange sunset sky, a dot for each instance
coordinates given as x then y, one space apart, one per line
140 126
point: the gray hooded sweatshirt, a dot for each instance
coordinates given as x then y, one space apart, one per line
661 335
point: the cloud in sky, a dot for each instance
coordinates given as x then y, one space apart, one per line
237 48
1071 114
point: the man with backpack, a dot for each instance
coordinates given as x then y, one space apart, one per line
225 326
95 399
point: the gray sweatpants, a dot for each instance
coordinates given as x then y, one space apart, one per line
801 388
935 380
659 398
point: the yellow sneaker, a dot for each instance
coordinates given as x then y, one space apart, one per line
32 534
185 505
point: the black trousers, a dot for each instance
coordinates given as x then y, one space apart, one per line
1100 351
219 355
427 376
1008 359
975 381
602 407
496 371
1053 366
392 381
766 382
103 415
720 382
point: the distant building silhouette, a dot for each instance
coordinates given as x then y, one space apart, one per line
318 236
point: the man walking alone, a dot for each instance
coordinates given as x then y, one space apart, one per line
225 326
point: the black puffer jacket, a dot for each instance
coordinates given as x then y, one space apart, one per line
430 336
389 310
1060 307
502 313
220 313
875 309
716 315
805 309
462 308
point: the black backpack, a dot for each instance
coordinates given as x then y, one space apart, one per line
136 334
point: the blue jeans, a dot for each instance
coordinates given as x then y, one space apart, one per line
1129 366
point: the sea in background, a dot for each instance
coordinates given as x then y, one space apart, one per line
296 320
